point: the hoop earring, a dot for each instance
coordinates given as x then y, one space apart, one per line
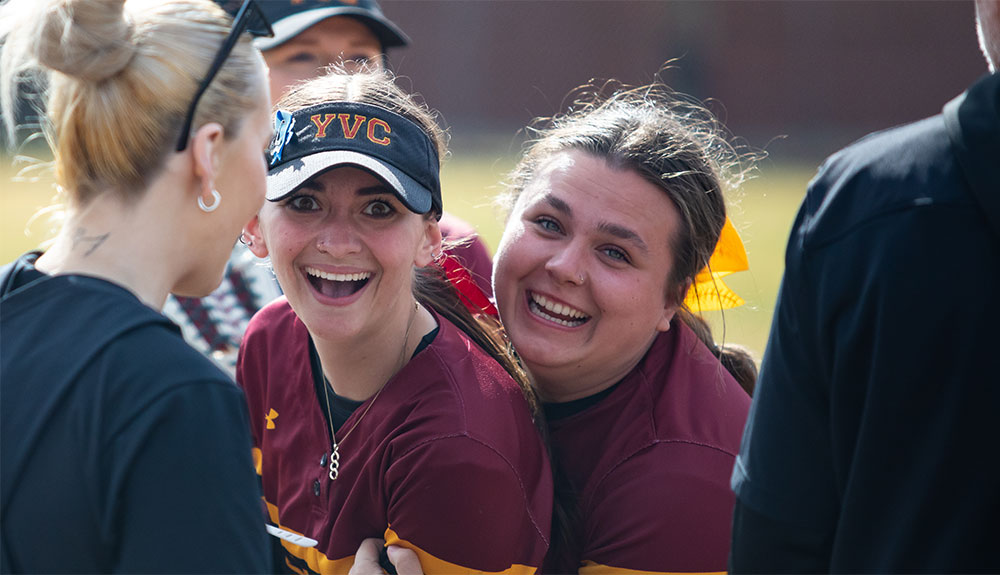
246 240
216 200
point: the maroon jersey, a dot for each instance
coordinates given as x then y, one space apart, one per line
446 462
650 464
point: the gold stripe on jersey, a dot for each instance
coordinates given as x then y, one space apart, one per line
295 569
258 460
591 568
432 564
316 561
320 563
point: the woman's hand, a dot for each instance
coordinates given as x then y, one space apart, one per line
366 560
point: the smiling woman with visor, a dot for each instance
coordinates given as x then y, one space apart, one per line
381 406
122 449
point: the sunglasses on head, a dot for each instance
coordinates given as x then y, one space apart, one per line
248 19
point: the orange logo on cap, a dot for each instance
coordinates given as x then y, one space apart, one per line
349 133
321 124
350 125
384 140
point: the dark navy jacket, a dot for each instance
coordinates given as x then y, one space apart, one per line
121 448
872 441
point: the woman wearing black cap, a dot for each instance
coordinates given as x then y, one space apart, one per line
380 405
311 35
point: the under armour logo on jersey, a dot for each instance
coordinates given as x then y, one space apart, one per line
270 417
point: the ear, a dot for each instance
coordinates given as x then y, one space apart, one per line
205 150
256 234
673 301
430 244
668 314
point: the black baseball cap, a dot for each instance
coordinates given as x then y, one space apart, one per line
289 18
312 140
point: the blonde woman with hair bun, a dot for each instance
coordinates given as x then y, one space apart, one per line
122 449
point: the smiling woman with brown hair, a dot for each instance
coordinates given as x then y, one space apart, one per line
615 209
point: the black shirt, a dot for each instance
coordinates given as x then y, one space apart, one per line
121 448
871 444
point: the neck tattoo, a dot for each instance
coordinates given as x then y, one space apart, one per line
335 449
80 237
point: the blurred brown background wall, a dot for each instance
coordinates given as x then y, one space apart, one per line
801 78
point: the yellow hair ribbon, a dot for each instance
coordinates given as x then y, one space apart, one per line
709 293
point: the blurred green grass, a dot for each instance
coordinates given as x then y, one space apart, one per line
762 212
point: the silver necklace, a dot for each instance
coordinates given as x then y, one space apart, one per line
335 449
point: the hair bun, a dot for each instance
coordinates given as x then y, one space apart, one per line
86 39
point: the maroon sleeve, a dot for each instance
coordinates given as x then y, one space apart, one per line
247 372
251 376
462 506
666 509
